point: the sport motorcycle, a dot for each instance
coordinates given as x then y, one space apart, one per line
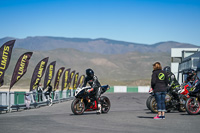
193 103
85 101
175 100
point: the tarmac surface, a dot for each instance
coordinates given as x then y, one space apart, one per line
128 114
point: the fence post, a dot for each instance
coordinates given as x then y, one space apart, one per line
9 106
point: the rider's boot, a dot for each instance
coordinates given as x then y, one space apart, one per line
99 109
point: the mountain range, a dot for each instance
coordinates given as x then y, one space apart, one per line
100 45
114 62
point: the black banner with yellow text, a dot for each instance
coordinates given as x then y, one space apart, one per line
57 79
38 73
70 78
49 74
20 67
5 55
65 79
75 84
81 80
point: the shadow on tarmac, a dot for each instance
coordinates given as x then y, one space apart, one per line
145 117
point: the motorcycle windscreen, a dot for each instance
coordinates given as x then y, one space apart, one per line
104 88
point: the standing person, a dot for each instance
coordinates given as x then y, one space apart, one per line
159 83
27 100
40 91
34 92
48 92
93 81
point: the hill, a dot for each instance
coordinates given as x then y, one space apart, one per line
100 45
133 68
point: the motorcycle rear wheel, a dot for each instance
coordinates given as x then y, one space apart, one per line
78 106
105 104
182 107
192 107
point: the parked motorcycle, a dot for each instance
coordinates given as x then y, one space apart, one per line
175 100
193 103
149 98
85 101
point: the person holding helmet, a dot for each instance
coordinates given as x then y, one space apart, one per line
93 81
173 83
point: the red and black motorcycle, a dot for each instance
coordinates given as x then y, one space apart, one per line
86 101
193 102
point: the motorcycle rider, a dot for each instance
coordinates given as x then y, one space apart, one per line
93 81
194 81
173 83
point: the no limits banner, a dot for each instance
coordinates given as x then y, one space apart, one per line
20 67
49 74
70 78
5 55
65 79
81 80
75 84
57 79
38 73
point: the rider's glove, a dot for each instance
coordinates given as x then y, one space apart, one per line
89 90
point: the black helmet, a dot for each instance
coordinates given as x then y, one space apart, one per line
191 72
89 72
167 69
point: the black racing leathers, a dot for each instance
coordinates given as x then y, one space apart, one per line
159 81
172 81
194 83
95 84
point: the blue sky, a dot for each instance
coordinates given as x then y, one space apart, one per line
139 21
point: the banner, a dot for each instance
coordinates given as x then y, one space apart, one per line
49 74
75 81
5 55
57 79
65 79
70 78
81 80
20 68
38 73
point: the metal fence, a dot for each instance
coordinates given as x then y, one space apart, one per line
14 101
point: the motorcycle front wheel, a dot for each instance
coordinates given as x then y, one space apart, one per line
192 106
78 106
148 102
153 105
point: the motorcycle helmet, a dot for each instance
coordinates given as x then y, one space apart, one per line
167 69
191 72
89 73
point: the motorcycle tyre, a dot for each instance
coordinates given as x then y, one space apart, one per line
187 107
75 101
148 102
182 107
153 105
105 100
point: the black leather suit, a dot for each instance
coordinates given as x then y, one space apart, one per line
94 83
